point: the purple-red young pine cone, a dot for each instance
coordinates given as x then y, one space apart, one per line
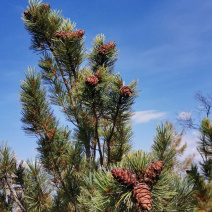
125 176
78 33
152 171
47 6
103 49
68 35
91 80
26 13
126 91
142 194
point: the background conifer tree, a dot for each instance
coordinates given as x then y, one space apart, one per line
202 173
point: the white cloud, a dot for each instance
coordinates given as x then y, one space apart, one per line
147 115
184 115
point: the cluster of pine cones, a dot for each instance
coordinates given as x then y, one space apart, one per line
103 49
141 187
68 35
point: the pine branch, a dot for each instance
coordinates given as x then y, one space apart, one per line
14 195
112 130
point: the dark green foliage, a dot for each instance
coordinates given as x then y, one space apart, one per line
162 145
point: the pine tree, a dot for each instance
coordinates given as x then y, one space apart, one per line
140 182
93 98
89 167
202 173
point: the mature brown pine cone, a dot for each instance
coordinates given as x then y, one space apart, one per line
91 80
103 49
152 171
125 176
142 194
158 166
125 91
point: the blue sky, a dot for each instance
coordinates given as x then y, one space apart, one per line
166 45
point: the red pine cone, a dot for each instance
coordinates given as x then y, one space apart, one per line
78 33
142 194
103 49
91 80
60 34
126 91
152 171
68 35
125 176
47 6
26 12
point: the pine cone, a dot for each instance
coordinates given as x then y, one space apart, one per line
152 171
125 91
47 6
78 33
61 34
91 80
68 35
142 194
103 49
125 176
27 14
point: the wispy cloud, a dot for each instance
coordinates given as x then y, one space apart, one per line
147 115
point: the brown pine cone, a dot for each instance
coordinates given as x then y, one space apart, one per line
158 166
152 171
125 176
103 49
91 80
142 194
126 91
